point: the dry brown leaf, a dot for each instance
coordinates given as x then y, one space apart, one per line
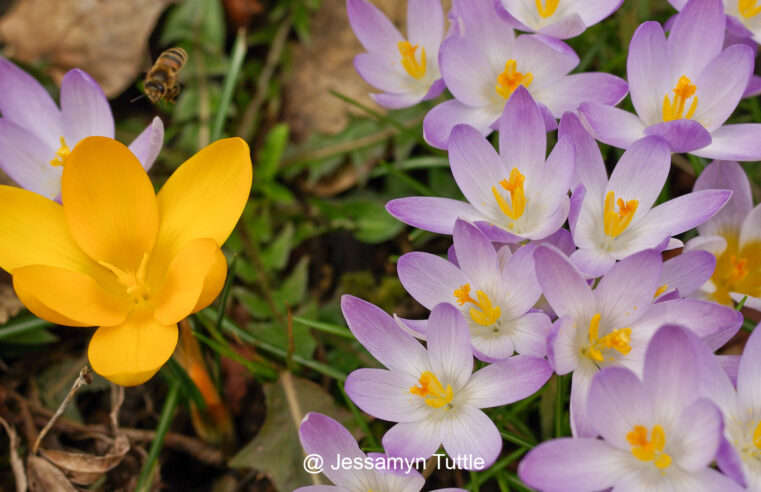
17 466
106 38
44 477
9 303
83 468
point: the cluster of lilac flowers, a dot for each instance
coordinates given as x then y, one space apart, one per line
651 406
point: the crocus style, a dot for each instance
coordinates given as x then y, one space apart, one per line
733 235
494 291
118 256
36 136
611 325
560 19
743 19
483 64
433 393
612 219
406 70
322 436
518 194
657 432
683 88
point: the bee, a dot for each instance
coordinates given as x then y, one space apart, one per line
161 81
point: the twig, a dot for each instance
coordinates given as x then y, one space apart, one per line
247 126
17 466
85 377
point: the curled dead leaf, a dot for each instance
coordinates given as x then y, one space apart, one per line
107 39
84 468
17 466
44 477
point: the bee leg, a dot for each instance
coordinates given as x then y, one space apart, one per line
173 92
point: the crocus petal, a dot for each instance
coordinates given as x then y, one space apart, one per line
184 281
449 349
740 142
413 440
321 435
721 175
507 381
751 228
562 284
130 354
429 279
147 145
432 213
748 390
529 334
479 259
41 310
522 135
573 464
730 462
581 424
321 488
610 125
519 273
480 22
599 88
439 121
471 433
72 294
698 431
221 174
373 29
467 86
386 395
425 24
397 101
381 72
26 160
111 207
685 212
380 335
25 217
681 135
568 27
84 108
641 173
688 271
562 350
26 103
697 36
646 72
547 58
593 263
617 402
215 280
590 168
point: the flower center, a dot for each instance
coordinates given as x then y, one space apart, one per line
484 313
748 8
409 62
548 8
134 281
433 391
514 186
652 449
511 78
61 154
674 110
737 271
660 290
616 222
617 340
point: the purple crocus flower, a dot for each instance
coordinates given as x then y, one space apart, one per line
36 136
406 70
657 432
683 88
743 19
433 393
516 195
560 19
740 453
484 64
612 219
684 274
324 437
494 291
611 325
733 235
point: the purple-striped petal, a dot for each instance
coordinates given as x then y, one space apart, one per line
641 173
568 27
593 262
321 435
685 212
600 88
478 259
386 395
84 108
425 25
413 440
740 142
472 433
748 390
647 74
26 160
519 273
147 145
381 72
681 135
431 213
467 85
397 101
721 84
449 345
590 168
687 272
507 381
721 175
439 121
699 432
610 125
617 402
563 286
522 135
373 29
429 279
529 334
562 350
697 36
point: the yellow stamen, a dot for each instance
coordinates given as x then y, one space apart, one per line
674 110
133 281
548 8
663 288
511 78
757 435
748 8
514 186
433 391
617 340
739 269
409 62
484 313
616 223
649 450
61 154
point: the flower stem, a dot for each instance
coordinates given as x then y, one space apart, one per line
231 78
147 472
